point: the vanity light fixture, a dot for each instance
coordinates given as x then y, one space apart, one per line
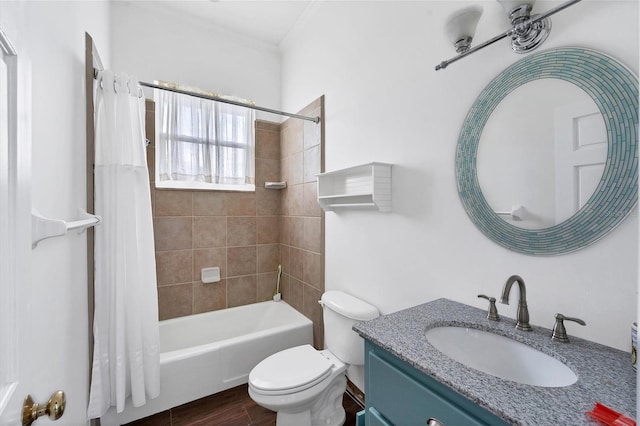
527 31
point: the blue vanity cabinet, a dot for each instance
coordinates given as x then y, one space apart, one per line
399 394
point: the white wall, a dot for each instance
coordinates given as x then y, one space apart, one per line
52 35
153 43
374 62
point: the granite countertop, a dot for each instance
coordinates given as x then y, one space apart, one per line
604 374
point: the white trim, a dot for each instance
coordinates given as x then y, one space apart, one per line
8 214
15 282
173 184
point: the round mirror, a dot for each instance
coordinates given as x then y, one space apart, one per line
614 91
539 175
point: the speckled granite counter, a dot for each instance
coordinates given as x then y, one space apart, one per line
604 374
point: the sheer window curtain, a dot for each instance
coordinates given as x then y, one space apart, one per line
204 142
126 341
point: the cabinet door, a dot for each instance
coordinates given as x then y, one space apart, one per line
403 400
375 418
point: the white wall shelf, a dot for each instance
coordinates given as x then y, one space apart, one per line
365 186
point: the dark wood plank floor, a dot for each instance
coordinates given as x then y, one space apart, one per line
232 407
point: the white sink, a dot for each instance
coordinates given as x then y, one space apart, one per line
500 356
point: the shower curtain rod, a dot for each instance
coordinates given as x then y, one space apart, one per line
225 101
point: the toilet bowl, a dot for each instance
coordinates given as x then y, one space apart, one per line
305 386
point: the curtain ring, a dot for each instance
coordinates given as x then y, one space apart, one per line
115 89
128 87
140 92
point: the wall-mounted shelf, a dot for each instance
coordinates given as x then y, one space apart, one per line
365 186
43 227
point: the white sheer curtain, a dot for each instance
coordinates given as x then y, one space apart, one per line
126 352
203 141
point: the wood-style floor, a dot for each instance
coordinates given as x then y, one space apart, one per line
232 407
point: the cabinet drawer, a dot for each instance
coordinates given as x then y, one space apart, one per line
403 400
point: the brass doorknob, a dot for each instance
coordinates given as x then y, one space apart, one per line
54 408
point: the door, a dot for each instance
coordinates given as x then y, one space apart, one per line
581 152
16 324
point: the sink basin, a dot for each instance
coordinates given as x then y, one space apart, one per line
500 356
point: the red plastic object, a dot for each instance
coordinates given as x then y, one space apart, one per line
610 417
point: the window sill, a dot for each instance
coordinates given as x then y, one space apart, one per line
203 186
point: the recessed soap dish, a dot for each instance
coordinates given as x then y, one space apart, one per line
275 185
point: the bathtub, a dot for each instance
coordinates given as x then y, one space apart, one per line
208 353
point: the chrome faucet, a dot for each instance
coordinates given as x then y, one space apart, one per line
522 319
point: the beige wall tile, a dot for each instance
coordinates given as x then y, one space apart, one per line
294 200
267 125
317 103
209 203
172 233
268 229
209 258
284 169
209 231
175 301
267 171
291 137
268 144
173 202
296 167
241 291
241 261
318 336
284 258
313 269
284 285
267 202
268 257
310 206
150 122
296 263
241 204
266 286
151 163
313 240
174 267
294 295
153 197
311 164
209 297
312 310
297 232
286 229
241 231
312 131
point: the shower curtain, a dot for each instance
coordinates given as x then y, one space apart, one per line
126 354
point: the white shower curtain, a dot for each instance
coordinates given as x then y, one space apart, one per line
126 353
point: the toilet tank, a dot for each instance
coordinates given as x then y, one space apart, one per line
340 311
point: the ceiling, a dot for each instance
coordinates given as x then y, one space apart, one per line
266 20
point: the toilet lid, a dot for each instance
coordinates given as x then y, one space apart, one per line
290 370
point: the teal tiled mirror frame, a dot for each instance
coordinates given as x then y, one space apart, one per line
614 89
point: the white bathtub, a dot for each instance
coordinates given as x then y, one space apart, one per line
208 353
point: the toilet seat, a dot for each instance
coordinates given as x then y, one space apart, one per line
290 371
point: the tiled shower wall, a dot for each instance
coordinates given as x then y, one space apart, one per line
245 234
302 220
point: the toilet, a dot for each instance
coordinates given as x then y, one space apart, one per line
305 386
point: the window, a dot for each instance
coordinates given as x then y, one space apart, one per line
203 144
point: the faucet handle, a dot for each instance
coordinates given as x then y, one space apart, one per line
559 332
493 311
